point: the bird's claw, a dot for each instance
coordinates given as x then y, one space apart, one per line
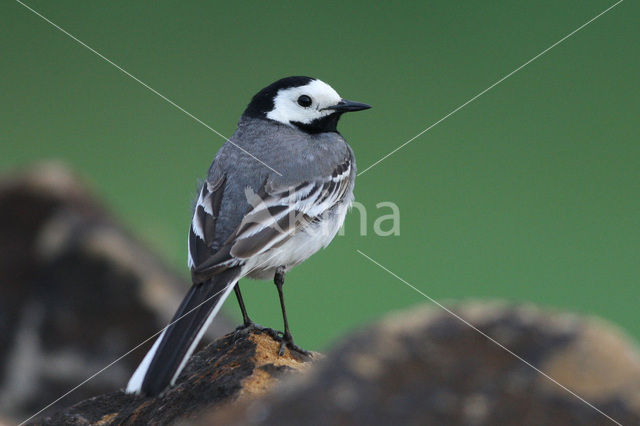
248 328
245 326
287 341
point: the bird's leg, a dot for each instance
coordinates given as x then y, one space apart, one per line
287 338
248 325
278 280
245 318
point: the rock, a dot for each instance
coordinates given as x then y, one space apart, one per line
427 367
78 291
239 366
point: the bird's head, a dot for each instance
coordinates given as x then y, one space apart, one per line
306 103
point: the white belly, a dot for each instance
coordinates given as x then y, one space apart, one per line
298 248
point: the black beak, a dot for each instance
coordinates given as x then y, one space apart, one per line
348 106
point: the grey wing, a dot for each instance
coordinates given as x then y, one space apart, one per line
275 214
203 253
279 212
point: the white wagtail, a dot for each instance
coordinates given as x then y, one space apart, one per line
250 221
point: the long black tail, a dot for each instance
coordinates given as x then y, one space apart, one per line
169 354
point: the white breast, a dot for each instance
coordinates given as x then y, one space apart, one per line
300 246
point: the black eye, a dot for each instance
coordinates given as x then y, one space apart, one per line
304 101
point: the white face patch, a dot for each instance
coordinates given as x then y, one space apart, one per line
286 108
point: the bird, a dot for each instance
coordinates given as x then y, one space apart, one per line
276 192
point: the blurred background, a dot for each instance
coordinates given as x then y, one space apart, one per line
530 193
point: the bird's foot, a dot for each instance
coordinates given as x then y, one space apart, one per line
286 340
244 329
247 328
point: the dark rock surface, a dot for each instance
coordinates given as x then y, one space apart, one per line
426 367
239 365
419 367
77 291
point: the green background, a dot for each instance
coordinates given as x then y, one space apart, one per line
530 193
